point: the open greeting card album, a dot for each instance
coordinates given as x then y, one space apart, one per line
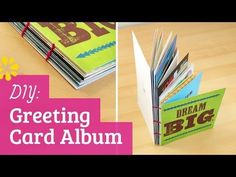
167 92
82 52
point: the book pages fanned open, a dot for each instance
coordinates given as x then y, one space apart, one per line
168 95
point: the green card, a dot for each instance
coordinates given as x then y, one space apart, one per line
189 116
88 45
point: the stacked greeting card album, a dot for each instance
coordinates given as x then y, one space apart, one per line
167 92
82 52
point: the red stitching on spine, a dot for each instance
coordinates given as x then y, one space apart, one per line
157 107
157 133
156 121
25 29
50 52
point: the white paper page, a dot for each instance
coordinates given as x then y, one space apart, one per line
154 47
144 90
159 49
167 44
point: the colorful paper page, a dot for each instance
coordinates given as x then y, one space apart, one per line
177 89
189 116
89 45
191 89
167 56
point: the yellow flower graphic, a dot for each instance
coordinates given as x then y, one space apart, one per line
8 68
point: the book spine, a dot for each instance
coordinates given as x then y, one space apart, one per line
155 110
49 53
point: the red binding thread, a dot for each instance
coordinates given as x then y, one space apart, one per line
50 52
157 133
156 107
25 29
156 121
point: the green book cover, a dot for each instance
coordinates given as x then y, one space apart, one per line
88 45
189 116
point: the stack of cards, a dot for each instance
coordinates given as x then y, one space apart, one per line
82 52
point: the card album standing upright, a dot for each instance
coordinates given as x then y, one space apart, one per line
82 52
167 93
